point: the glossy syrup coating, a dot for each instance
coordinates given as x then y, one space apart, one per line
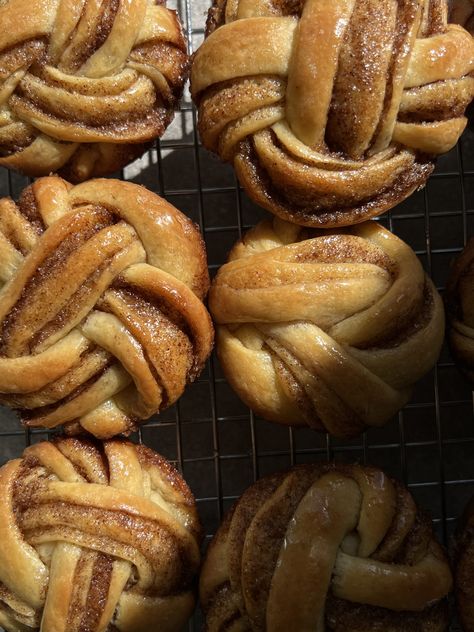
329 329
460 310
95 538
101 316
85 86
332 111
325 548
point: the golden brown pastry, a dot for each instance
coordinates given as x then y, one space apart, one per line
95 538
329 329
101 316
332 111
460 310
462 12
86 85
326 547
464 572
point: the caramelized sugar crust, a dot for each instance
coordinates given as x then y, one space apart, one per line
325 328
85 85
332 113
96 537
101 316
326 547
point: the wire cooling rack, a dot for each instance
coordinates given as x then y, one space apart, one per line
222 447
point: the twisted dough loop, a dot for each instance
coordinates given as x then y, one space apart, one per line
325 329
333 133
85 85
460 310
325 548
95 535
101 315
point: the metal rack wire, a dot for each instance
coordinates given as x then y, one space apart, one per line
218 443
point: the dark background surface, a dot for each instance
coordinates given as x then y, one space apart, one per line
218 443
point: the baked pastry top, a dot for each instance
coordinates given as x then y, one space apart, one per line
464 569
329 329
101 316
86 85
96 538
326 547
331 111
462 12
460 310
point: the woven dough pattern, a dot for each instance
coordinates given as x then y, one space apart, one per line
460 309
326 329
331 110
84 85
101 319
326 548
95 536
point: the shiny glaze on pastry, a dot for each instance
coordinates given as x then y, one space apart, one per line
85 85
329 329
101 316
460 310
325 547
95 538
332 111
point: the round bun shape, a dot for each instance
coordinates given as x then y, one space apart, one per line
332 111
329 329
326 547
460 310
462 12
464 571
85 86
101 316
96 537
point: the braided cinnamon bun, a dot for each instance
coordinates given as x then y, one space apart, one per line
86 85
460 310
332 111
329 329
95 537
101 316
326 547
